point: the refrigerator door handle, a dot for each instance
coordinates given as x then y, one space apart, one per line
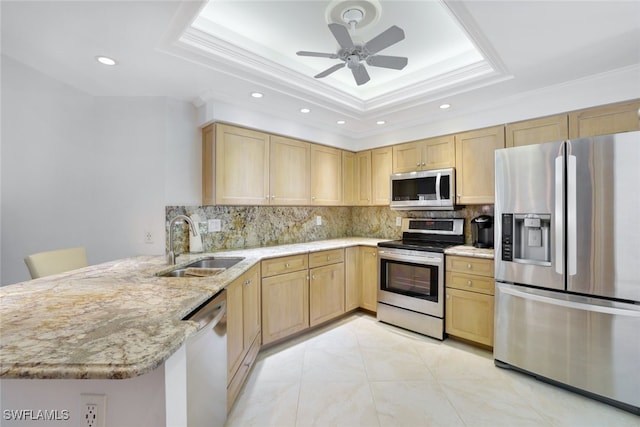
572 238
508 289
558 214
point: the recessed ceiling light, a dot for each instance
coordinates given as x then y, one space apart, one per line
380 122
105 60
341 122
257 94
305 110
445 106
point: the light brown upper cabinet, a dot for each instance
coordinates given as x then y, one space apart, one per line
426 154
381 166
241 167
326 175
475 172
289 171
348 178
537 131
604 120
362 182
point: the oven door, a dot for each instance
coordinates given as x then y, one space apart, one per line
412 280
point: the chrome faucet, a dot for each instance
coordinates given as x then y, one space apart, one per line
171 256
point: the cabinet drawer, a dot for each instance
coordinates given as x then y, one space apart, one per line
287 264
320 258
470 282
480 266
233 389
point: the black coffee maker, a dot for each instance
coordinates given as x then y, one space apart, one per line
482 231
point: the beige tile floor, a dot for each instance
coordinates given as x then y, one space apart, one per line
360 372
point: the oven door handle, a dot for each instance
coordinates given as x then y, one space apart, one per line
423 260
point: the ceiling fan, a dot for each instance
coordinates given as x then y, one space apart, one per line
353 55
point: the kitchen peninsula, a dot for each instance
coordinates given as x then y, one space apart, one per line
102 326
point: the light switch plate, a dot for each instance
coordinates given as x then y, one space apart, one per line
214 225
318 220
398 221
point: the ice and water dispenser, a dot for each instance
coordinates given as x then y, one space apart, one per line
526 238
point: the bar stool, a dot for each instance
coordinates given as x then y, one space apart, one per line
54 262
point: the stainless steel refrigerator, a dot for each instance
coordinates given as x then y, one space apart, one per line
567 264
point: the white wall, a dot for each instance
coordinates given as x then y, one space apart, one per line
79 170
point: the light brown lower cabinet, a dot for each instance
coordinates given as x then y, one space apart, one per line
469 303
300 291
326 293
285 302
243 329
368 277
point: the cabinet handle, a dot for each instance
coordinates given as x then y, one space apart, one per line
313 197
469 266
328 257
469 283
273 197
313 277
247 282
268 197
287 265
422 163
418 164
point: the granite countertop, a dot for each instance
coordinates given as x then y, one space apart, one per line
470 251
117 319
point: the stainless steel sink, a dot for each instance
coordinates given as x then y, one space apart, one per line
212 262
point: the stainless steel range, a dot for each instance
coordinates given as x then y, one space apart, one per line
411 272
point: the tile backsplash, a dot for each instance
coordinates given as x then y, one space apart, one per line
255 226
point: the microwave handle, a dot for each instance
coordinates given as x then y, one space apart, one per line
438 186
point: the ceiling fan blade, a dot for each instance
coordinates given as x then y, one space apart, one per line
360 74
318 54
328 71
342 36
385 39
384 61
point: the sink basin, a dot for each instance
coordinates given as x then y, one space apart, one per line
212 263
215 262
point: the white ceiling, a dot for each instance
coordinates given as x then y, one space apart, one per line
465 53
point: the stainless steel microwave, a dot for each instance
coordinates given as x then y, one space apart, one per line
424 190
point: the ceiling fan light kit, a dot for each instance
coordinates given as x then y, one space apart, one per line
353 14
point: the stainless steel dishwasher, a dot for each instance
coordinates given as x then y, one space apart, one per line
207 365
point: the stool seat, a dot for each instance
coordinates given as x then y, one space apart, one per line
54 262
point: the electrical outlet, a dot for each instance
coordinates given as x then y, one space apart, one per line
318 220
148 237
93 408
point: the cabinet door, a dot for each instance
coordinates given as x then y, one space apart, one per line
242 166
438 153
369 277
208 166
624 117
475 172
326 175
351 278
251 306
285 305
363 178
469 315
546 129
348 178
235 327
407 157
289 165
326 293
381 164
